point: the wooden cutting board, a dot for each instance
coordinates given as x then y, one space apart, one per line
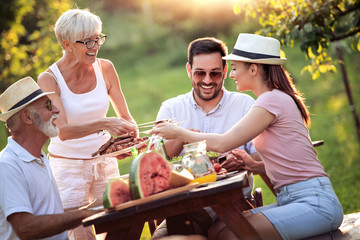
153 197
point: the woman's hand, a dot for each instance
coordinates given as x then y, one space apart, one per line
233 163
167 130
118 126
248 162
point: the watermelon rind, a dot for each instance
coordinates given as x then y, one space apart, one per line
136 180
135 190
106 195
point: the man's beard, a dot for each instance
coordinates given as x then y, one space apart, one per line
204 97
46 127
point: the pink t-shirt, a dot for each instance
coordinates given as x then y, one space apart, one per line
285 145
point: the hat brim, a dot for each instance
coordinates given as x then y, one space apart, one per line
5 116
270 61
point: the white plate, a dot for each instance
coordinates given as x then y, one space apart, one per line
226 175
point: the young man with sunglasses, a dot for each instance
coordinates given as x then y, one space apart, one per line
30 204
208 107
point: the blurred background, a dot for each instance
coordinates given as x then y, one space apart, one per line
147 42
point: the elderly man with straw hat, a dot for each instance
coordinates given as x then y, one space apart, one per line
30 204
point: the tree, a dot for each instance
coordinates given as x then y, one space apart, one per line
27 41
315 24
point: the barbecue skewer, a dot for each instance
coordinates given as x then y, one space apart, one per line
148 131
154 122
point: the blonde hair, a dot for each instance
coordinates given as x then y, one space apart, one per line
77 24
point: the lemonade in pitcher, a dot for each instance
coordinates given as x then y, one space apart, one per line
197 162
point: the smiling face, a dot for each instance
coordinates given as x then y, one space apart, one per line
82 53
241 73
207 76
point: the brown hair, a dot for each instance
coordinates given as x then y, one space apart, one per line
276 77
206 45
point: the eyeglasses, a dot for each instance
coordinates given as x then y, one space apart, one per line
91 43
48 105
214 75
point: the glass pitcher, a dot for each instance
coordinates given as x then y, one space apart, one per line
196 161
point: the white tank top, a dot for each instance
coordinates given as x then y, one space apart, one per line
81 108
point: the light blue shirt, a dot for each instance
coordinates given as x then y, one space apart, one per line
26 185
232 107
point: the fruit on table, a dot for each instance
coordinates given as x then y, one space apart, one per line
181 178
149 174
219 169
117 191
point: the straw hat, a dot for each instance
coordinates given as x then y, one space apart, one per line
19 95
256 49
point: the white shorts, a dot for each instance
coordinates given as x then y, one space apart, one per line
82 181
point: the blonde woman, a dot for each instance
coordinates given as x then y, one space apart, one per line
83 85
306 203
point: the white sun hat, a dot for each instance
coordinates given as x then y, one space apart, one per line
256 49
19 95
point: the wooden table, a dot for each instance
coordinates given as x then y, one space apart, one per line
224 196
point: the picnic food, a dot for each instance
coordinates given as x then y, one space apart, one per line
117 191
219 169
212 156
178 179
122 142
149 174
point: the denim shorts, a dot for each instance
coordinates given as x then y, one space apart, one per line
304 209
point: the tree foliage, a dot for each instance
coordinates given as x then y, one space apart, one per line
312 23
27 41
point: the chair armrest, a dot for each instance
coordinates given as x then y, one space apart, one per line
317 143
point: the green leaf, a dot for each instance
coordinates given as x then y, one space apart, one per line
308 27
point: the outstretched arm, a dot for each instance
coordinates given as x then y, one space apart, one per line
256 121
28 226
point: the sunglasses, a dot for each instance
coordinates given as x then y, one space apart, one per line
48 105
214 75
91 43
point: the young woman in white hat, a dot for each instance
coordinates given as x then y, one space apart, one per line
306 203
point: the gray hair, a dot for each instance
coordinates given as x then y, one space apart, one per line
37 117
13 122
77 24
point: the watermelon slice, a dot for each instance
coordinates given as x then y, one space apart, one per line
117 191
149 174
